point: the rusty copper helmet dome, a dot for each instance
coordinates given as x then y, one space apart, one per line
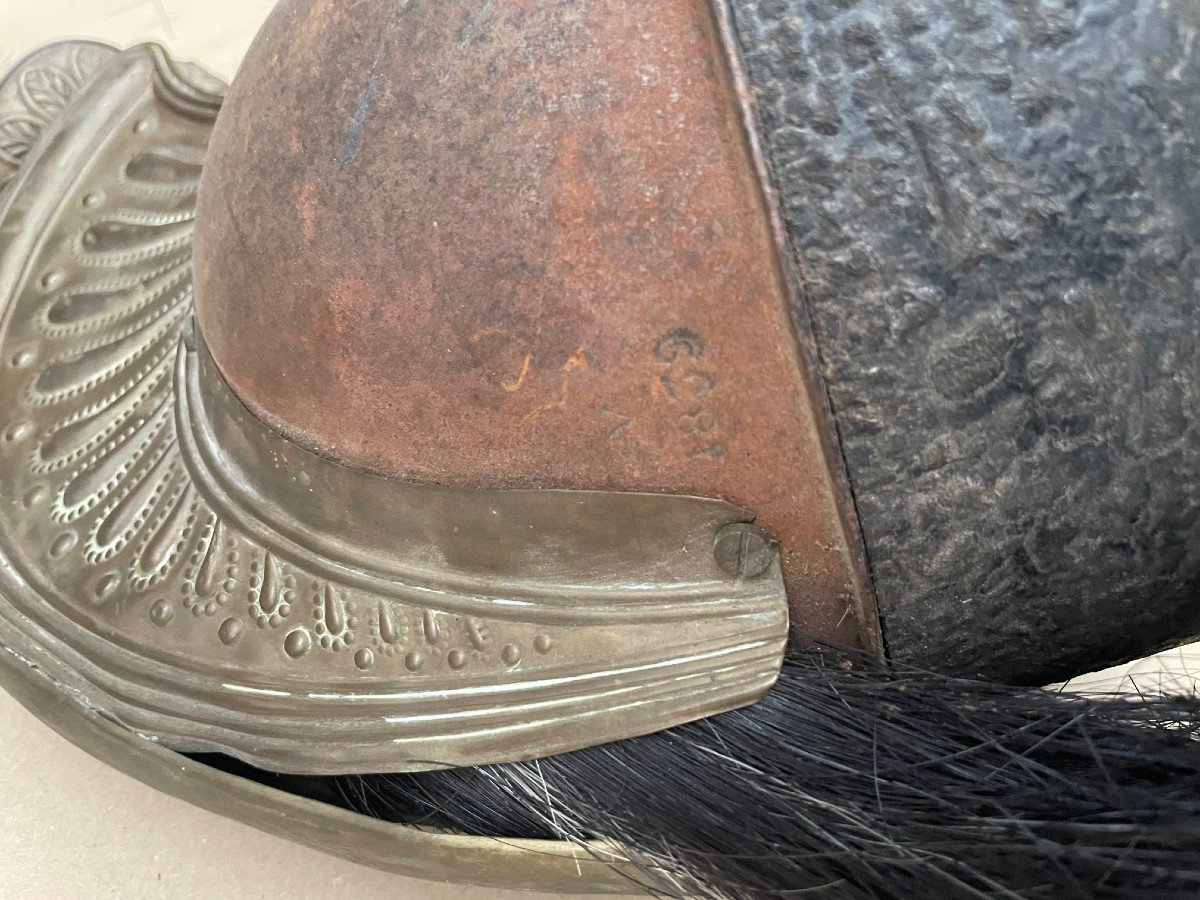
494 260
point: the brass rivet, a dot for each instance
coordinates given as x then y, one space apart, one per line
162 612
743 550
297 643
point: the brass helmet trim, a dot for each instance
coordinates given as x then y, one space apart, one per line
512 863
194 576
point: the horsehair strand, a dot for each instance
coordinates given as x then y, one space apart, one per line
849 780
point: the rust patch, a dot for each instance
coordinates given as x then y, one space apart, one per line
524 182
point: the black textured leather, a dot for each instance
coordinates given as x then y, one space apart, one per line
995 206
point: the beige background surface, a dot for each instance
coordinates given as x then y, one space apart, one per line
75 828
214 33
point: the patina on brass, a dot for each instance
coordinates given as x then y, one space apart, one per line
37 91
512 863
216 587
523 245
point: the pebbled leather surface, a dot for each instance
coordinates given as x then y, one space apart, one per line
994 205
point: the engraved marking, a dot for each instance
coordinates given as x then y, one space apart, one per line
511 386
676 343
623 423
618 429
578 360
100 397
686 380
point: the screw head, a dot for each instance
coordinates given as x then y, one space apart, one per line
743 550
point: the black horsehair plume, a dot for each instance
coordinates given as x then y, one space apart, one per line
852 780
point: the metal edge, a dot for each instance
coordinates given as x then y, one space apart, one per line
217 431
788 273
532 865
50 58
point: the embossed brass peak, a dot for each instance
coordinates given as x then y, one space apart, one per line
180 567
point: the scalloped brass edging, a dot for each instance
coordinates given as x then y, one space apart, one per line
36 91
513 864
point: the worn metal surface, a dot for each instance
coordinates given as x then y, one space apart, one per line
36 91
513 863
216 587
744 550
521 244
111 556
